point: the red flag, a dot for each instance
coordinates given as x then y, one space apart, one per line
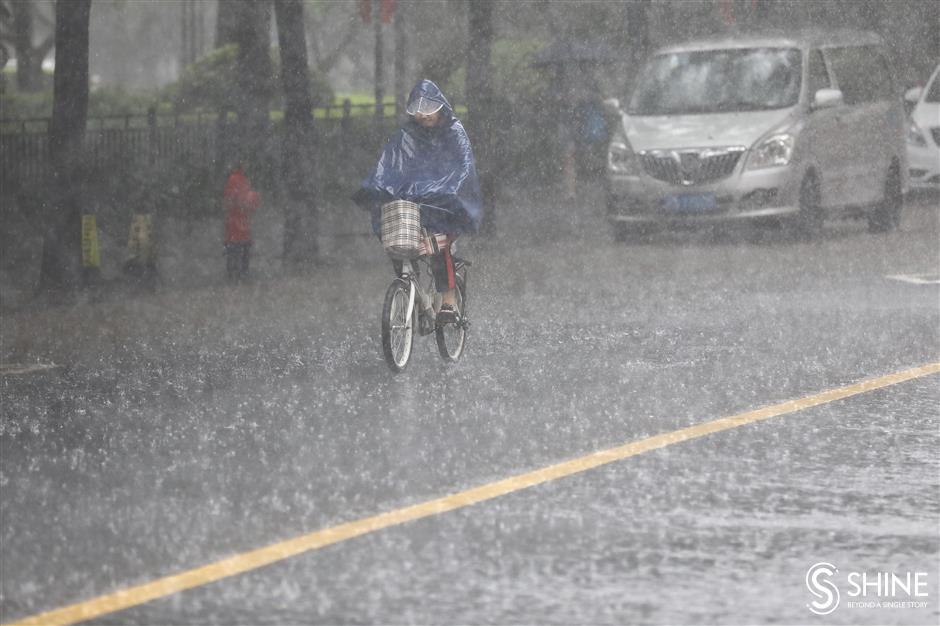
388 9
365 10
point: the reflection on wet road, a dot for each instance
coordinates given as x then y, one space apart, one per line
179 434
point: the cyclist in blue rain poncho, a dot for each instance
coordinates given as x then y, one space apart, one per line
429 161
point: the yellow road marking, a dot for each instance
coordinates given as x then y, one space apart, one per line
917 279
247 561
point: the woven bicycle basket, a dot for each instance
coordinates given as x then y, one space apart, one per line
401 229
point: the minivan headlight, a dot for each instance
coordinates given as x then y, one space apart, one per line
620 158
773 151
915 136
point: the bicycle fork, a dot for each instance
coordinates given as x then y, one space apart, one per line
422 303
416 297
412 292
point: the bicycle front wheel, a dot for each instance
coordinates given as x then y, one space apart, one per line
397 326
452 338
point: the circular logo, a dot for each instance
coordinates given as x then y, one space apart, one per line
823 589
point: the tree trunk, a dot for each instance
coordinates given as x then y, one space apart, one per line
480 103
187 33
28 67
253 77
401 55
61 255
298 169
225 23
638 34
379 63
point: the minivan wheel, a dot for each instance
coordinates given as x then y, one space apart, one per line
631 233
621 232
810 219
886 216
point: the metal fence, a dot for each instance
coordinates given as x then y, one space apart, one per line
153 140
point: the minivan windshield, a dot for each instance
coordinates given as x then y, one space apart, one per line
718 81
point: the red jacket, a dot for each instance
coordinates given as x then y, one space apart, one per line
239 202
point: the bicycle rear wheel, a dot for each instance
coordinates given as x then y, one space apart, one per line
452 338
397 329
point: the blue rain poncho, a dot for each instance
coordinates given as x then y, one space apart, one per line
431 166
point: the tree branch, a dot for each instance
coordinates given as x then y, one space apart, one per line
313 42
327 63
43 48
45 19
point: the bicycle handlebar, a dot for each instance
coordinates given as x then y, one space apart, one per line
435 208
422 205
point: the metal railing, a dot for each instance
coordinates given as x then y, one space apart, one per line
336 111
151 139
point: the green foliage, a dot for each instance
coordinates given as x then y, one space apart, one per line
515 79
115 100
360 97
208 84
359 144
102 101
322 91
524 138
527 147
21 106
187 187
211 83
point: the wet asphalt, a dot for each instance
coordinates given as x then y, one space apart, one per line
192 424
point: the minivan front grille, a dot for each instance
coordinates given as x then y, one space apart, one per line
690 166
935 131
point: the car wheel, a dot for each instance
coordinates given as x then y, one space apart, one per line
886 216
621 232
632 233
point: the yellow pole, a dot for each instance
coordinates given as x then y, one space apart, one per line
91 257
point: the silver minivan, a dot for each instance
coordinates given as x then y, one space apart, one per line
793 128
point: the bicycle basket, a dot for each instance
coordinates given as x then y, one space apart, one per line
401 229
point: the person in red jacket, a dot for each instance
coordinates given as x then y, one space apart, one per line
239 202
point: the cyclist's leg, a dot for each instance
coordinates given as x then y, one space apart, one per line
442 266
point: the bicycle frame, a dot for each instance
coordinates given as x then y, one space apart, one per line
417 294
407 297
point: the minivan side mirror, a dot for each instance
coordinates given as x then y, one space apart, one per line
913 94
827 98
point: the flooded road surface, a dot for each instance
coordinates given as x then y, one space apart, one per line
169 431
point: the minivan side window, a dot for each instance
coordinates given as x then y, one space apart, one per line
862 74
818 76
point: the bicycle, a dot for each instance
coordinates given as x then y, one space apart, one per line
411 303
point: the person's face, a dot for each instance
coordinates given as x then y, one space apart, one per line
428 121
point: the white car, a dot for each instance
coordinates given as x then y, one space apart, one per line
923 135
796 128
